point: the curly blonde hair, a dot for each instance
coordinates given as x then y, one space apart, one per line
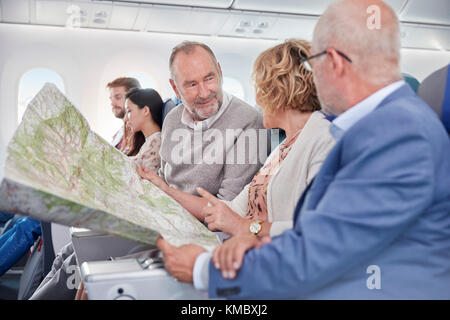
281 82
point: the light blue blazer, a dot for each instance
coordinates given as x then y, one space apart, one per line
375 222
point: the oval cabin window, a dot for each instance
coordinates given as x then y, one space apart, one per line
233 87
146 81
31 83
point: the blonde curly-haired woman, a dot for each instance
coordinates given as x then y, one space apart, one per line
286 93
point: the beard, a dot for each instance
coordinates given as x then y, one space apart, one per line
120 114
330 101
204 112
327 109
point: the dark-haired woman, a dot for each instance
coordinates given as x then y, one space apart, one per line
144 117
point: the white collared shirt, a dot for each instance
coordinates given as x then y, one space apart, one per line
347 119
117 137
186 117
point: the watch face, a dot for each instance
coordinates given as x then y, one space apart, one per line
255 227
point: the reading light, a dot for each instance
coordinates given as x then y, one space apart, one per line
245 24
262 24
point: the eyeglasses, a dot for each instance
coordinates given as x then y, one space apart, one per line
308 65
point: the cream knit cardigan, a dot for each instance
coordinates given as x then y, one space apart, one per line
293 175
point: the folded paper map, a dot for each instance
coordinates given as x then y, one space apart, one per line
59 170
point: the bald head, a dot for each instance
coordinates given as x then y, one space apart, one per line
368 32
188 48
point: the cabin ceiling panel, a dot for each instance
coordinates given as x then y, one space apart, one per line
293 27
15 11
434 11
169 19
307 7
414 36
53 12
123 16
142 18
204 21
191 3
315 7
182 20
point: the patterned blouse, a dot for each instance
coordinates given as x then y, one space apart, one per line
257 193
148 155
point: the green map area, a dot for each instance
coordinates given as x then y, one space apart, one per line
59 170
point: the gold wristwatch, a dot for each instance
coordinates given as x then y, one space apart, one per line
256 226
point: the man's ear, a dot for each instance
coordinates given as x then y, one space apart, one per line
174 87
337 62
219 68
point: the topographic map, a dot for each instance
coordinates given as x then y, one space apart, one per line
59 170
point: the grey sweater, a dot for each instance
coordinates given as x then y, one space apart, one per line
222 159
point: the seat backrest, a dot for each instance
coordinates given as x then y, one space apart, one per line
49 251
435 91
39 264
33 272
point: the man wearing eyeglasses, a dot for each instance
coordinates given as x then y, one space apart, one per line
374 222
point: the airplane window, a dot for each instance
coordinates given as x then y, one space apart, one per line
30 84
145 81
233 87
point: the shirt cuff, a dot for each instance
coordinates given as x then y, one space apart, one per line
201 271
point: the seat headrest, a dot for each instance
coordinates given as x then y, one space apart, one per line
435 91
413 82
169 104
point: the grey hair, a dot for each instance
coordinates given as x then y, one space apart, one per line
188 47
375 52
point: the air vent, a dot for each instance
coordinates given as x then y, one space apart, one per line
101 14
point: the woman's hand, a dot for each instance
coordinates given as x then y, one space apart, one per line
228 257
219 216
152 176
